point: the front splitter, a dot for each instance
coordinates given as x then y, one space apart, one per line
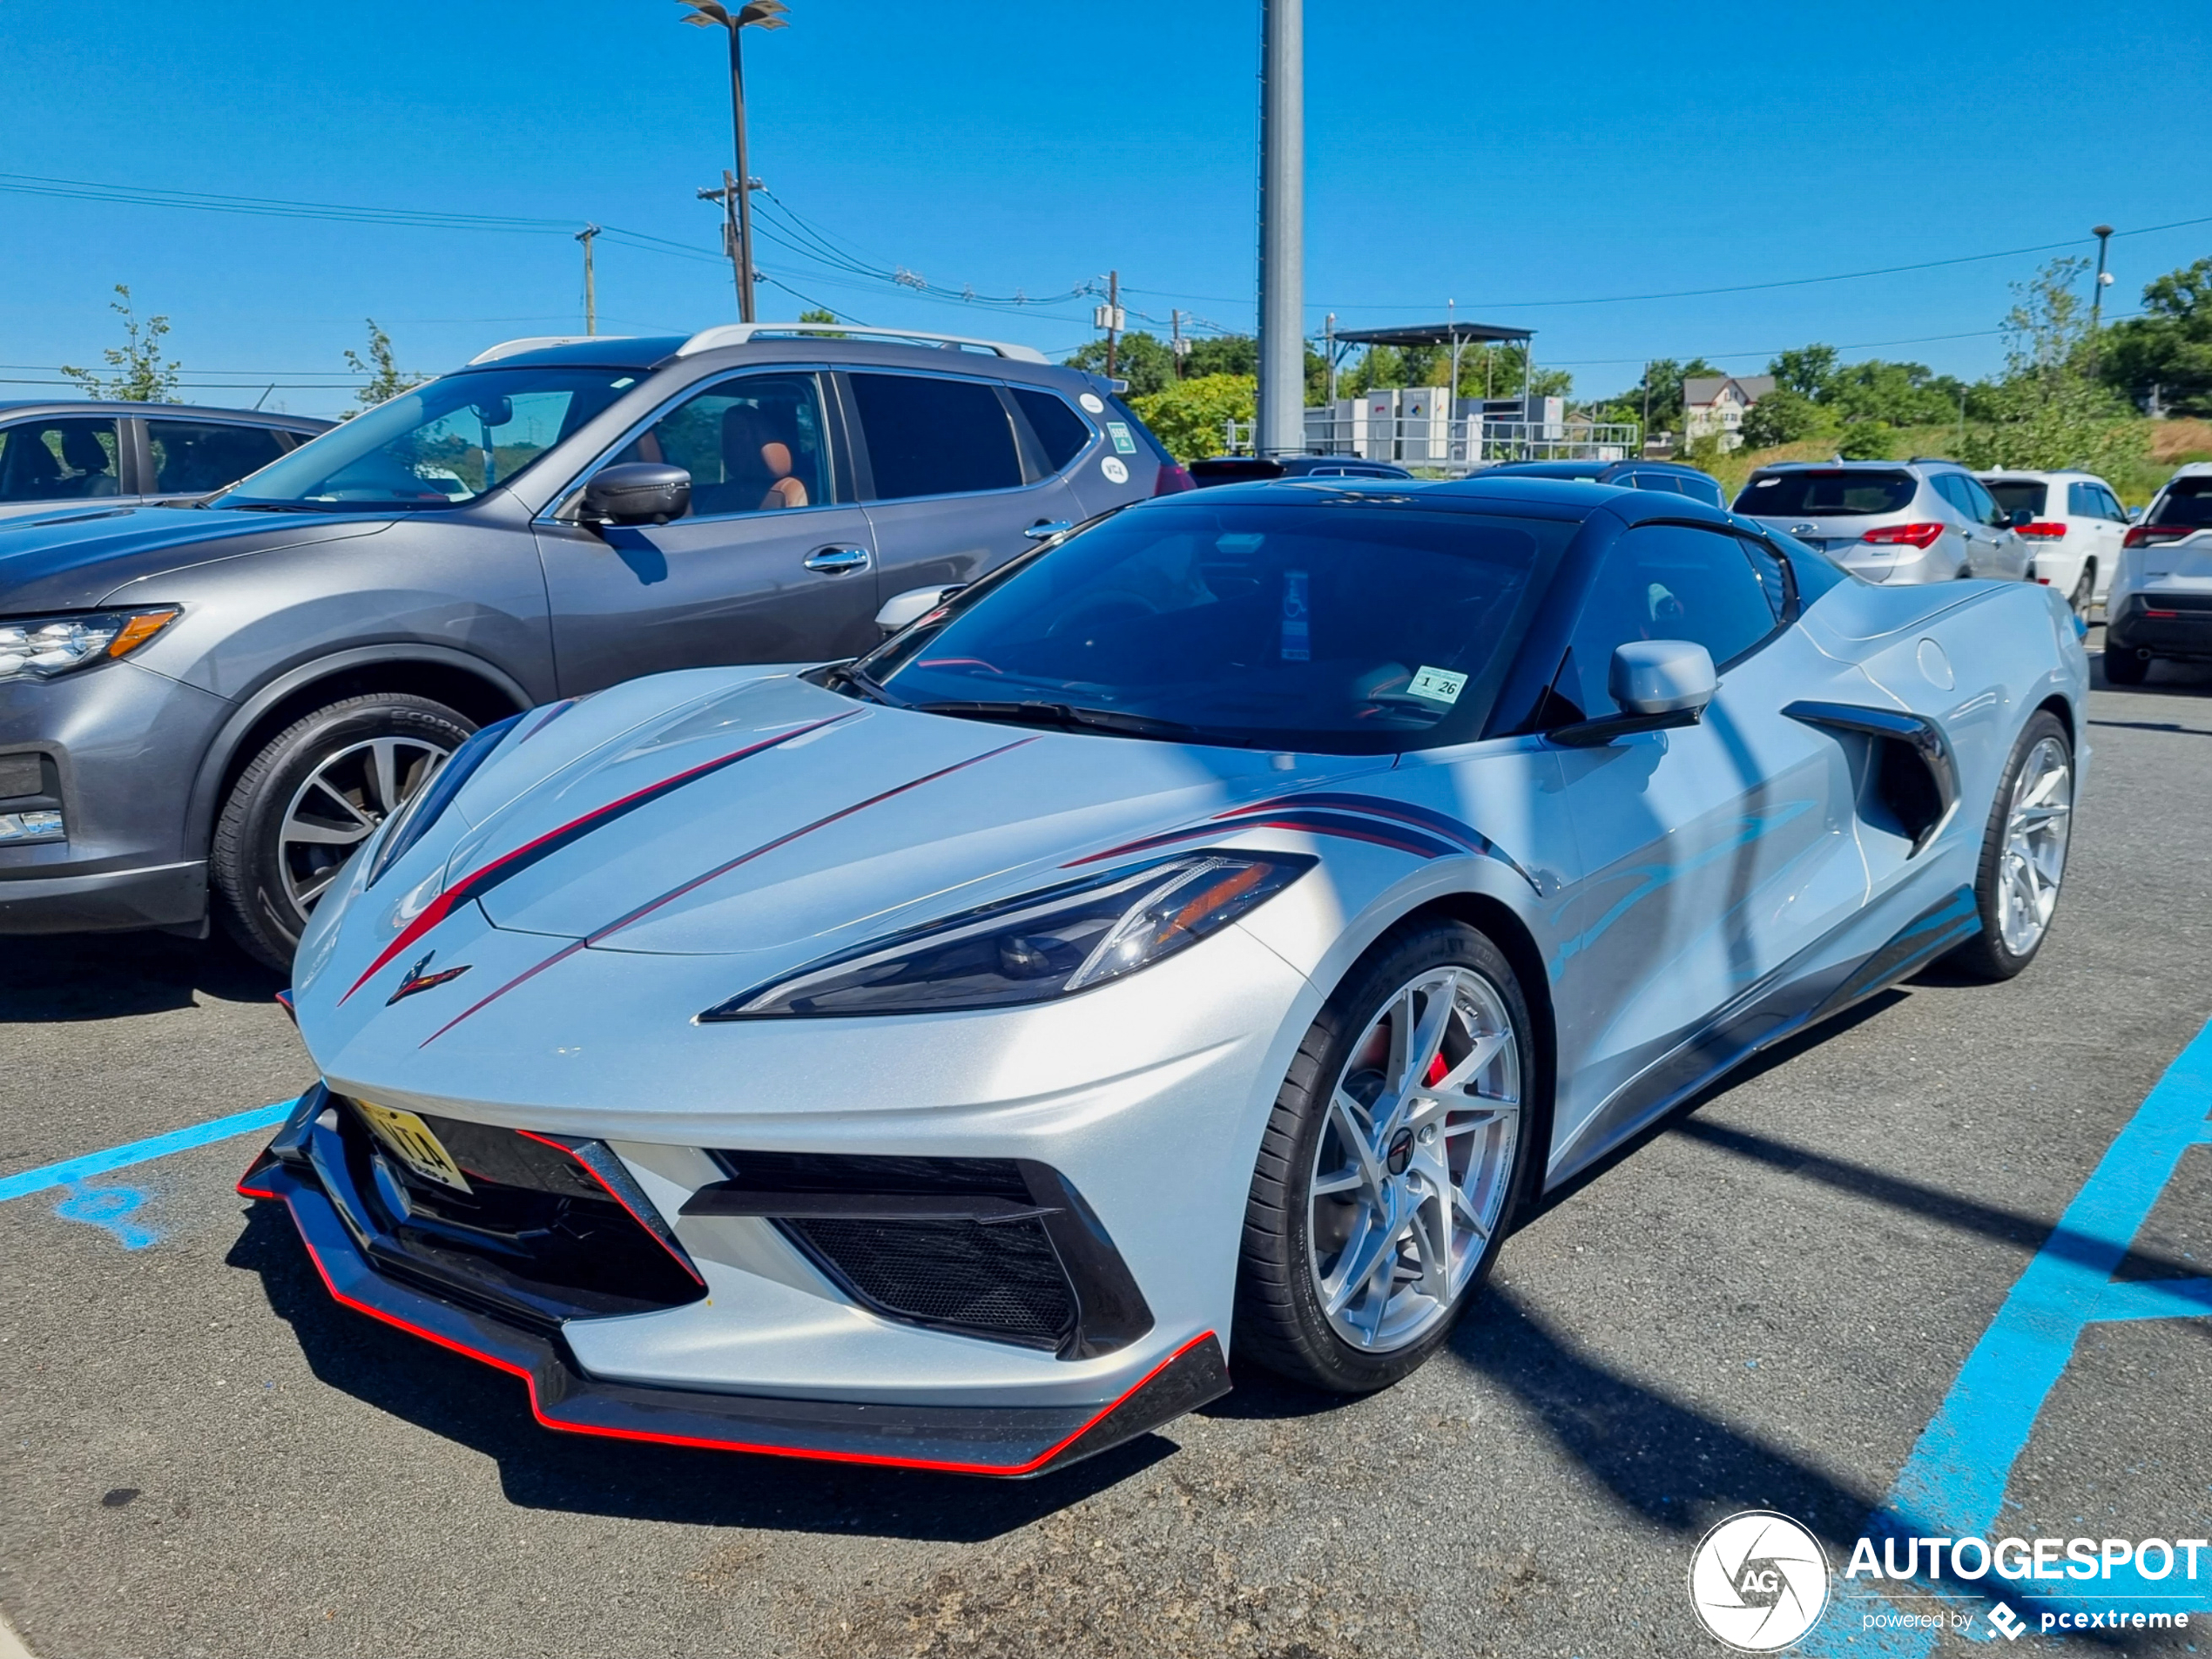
1004 1442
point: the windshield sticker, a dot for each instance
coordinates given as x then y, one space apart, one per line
1298 638
1116 470
1123 441
1092 403
1438 684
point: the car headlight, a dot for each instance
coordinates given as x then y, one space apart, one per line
424 808
1046 944
41 647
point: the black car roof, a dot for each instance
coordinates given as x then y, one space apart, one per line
11 407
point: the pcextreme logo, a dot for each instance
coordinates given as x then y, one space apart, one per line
1758 1580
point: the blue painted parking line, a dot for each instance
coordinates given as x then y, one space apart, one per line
1953 1485
72 1171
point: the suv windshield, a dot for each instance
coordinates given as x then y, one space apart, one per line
440 445
1340 627
2188 500
1827 493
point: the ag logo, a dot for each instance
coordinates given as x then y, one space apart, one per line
1758 1580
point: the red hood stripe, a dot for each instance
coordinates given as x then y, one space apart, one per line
483 880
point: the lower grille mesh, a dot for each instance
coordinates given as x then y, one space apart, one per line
1002 1280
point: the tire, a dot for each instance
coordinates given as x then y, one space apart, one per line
370 754
2023 853
2084 590
1302 1249
2123 667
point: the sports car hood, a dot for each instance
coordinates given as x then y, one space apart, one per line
750 814
72 557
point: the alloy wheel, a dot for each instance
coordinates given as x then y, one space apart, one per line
344 798
1412 1168
2034 860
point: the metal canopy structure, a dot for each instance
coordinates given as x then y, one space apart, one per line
1434 333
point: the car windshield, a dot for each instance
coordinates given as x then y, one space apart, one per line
2188 501
1827 493
2015 493
1340 626
442 444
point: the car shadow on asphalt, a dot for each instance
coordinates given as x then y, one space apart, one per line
105 976
489 1413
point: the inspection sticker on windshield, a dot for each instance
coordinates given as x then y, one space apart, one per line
1438 684
1123 441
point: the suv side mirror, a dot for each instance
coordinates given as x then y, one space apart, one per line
637 492
2019 518
1658 683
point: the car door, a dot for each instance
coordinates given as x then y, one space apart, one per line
1711 859
954 474
773 562
2105 525
2002 552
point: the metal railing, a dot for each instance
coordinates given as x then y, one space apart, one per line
1453 445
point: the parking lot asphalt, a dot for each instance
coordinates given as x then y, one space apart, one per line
1762 1305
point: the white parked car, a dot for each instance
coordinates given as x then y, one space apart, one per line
2161 592
2076 532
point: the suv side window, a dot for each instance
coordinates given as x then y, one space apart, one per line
191 457
1947 485
1061 432
1664 582
928 436
756 444
1978 504
56 459
2108 504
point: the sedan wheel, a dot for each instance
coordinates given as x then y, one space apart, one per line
1390 1165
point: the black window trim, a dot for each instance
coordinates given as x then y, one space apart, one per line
1026 432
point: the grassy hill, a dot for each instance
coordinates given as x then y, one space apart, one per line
2170 442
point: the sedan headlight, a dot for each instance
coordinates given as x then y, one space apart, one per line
41 647
1046 944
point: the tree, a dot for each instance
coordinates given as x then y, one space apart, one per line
140 375
386 379
1806 371
1664 376
1783 415
1188 416
2046 412
1144 360
2167 352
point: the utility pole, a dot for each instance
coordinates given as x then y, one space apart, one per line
590 298
1329 344
1109 317
1178 347
2103 233
1281 424
737 191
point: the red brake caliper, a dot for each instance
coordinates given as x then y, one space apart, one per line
1437 1070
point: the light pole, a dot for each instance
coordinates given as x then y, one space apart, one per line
1282 229
755 14
2103 233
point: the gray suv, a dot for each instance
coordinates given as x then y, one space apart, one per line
1922 520
70 451
205 709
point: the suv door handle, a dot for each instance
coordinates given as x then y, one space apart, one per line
1045 529
840 561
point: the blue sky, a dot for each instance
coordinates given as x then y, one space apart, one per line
1491 156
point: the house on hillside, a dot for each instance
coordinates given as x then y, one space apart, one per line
1718 403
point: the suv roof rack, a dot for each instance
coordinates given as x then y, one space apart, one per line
739 333
535 342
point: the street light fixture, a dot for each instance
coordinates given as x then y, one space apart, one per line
2103 233
737 193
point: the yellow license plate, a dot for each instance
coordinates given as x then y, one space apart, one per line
408 1138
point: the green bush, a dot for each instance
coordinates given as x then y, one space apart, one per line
1188 415
1782 416
1868 441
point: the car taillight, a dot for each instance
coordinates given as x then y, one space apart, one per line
1172 480
2152 535
2048 532
1903 535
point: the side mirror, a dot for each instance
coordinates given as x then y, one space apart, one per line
1659 684
2019 518
637 492
903 610
2135 514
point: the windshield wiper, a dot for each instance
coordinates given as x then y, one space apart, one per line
1063 714
270 507
847 674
